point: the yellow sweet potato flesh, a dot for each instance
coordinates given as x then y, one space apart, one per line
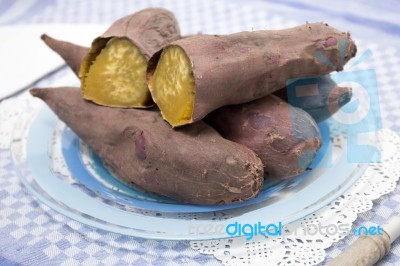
172 86
117 77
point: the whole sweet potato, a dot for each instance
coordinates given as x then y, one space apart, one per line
320 96
191 77
285 138
193 164
113 73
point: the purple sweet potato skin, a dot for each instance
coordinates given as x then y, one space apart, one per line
149 30
193 164
72 54
329 98
284 137
241 67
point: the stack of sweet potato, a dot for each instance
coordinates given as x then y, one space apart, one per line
202 119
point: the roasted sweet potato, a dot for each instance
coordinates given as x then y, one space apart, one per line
113 73
325 97
193 164
286 138
191 77
318 96
73 54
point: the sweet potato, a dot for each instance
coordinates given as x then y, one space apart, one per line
113 73
325 99
318 96
193 164
72 54
286 138
191 77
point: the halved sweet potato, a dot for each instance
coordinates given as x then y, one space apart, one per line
113 73
191 77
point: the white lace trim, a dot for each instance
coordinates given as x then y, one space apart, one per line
378 179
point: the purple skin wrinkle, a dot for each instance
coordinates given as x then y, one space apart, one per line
259 121
140 143
330 41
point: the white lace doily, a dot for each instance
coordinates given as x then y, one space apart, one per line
377 180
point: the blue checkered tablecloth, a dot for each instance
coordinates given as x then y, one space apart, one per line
33 234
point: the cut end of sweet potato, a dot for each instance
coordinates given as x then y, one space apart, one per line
115 75
35 92
344 95
172 86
